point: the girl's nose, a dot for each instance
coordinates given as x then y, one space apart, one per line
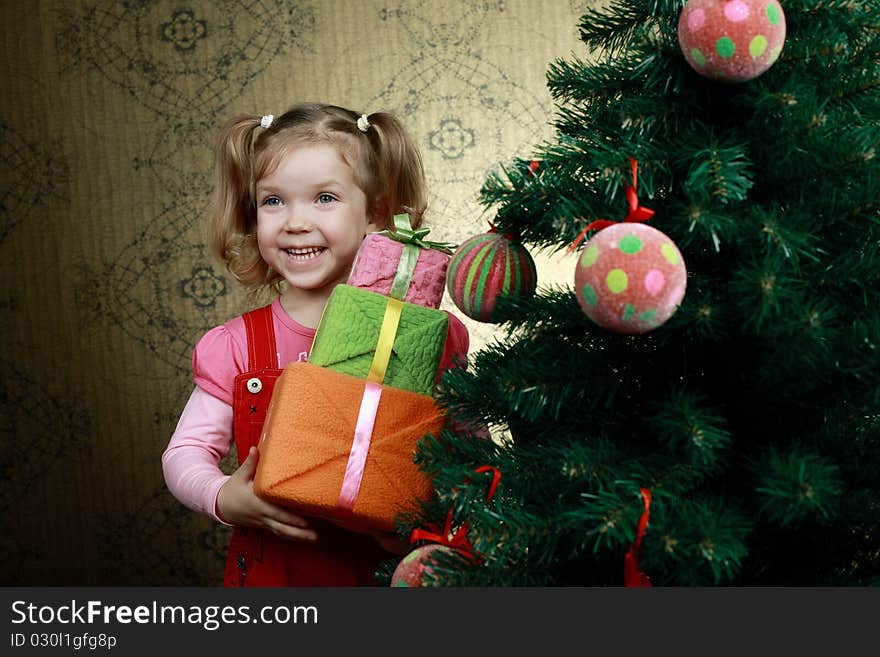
298 221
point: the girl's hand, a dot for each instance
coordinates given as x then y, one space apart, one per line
237 505
392 543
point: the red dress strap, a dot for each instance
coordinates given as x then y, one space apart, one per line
260 338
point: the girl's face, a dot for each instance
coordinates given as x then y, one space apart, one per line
311 218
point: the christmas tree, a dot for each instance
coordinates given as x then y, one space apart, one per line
749 420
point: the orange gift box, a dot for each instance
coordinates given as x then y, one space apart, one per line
307 446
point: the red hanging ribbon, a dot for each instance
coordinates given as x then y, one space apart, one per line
457 540
637 213
496 478
632 574
513 237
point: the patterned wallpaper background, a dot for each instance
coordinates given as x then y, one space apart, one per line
109 108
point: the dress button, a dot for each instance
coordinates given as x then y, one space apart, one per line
254 385
241 563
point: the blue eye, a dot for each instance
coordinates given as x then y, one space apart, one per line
325 198
272 201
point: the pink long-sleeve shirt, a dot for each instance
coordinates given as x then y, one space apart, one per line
203 436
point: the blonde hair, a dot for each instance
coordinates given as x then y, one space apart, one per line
385 161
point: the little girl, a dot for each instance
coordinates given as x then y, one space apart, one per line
290 210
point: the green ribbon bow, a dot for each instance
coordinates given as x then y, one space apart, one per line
412 242
403 232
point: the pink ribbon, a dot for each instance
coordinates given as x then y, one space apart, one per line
360 446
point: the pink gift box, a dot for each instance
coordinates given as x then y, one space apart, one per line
376 264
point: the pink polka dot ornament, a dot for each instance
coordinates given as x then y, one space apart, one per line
630 278
731 40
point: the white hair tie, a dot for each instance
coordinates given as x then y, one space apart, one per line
266 121
363 124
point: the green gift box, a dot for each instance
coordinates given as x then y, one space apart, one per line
348 336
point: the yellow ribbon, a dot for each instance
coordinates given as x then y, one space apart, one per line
387 333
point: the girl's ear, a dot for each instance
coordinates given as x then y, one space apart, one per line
379 218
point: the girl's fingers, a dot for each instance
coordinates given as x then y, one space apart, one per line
248 468
280 521
288 531
286 518
281 515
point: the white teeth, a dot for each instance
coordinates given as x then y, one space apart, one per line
304 254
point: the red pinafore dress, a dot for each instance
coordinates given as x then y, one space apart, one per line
256 556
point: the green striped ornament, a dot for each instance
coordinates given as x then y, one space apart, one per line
486 267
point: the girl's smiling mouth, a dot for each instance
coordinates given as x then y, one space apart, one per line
306 253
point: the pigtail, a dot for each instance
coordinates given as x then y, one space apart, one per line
232 218
401 164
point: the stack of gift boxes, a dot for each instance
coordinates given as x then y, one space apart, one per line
342 428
